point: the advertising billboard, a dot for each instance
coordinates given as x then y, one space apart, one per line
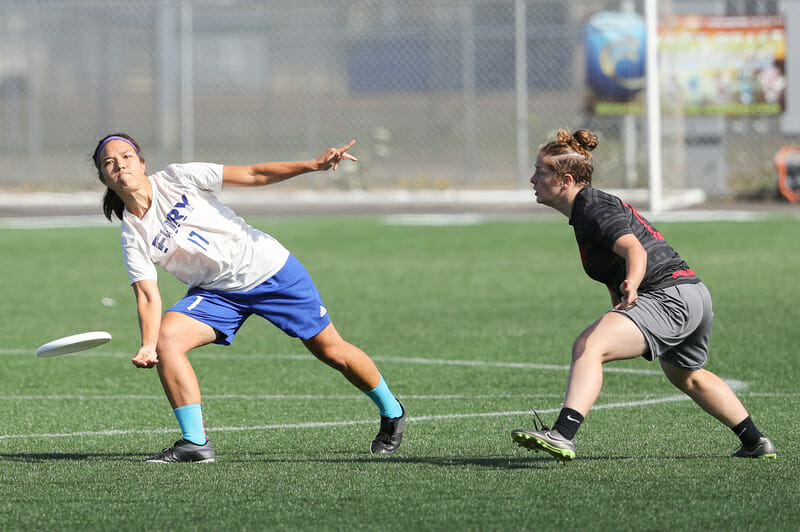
709 65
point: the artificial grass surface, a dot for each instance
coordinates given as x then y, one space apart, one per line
470 325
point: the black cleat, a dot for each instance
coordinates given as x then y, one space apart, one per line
763 449
390 435
185 451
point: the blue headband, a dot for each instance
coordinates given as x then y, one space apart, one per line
109 139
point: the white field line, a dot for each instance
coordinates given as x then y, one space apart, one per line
303 397
514 365
97 220
310 358
317 424
6 351
53 222
736 385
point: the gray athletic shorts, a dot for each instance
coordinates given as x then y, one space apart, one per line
676 322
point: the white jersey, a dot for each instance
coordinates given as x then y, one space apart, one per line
193 236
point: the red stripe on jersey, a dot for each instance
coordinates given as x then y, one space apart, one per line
683 273
656 234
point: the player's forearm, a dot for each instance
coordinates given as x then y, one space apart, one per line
257 175
148 306
149 322
636 264
629 248
275 172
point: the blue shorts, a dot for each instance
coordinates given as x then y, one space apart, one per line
288 299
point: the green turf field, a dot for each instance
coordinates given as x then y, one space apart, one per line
471 326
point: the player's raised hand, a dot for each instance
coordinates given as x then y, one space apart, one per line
332 157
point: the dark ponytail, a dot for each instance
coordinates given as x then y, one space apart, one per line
112 203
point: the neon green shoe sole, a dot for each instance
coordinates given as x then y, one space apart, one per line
764 449
548 441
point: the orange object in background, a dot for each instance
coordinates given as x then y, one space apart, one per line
787 160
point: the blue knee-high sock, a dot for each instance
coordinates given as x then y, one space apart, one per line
387 403
190 418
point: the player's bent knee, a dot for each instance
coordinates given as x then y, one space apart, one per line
583 349
684 380
167 338
578 347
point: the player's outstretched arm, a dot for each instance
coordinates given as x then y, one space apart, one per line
268 173
148 305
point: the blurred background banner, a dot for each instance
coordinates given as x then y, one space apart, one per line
709 65
439 94
615 44
729 65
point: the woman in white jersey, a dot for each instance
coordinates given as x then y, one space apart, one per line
173 219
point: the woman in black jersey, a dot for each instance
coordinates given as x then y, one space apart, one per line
661 309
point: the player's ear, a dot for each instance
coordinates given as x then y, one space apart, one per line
567 180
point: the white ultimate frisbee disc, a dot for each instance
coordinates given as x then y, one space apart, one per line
73 344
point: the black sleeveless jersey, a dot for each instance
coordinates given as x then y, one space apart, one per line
599 220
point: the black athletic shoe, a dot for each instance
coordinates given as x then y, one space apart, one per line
185 451
390 435
763 449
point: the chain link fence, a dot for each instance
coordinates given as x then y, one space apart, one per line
439 94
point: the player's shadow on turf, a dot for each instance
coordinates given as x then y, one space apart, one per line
541 461
50 457
521 462
507 463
